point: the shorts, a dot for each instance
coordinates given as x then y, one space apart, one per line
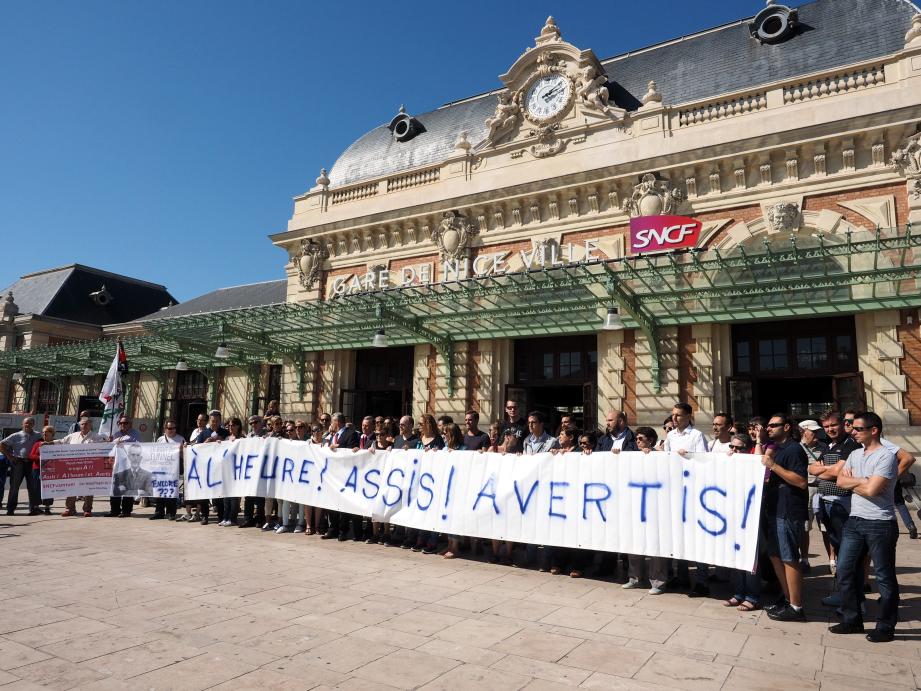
783 537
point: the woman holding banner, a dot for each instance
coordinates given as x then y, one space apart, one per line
34 456
637 569
747 586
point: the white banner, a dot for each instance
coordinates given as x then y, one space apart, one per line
704 508
146 470
75 470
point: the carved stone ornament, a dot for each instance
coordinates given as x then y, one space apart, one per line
309 262
913 37
10 308
454 235
907 161
503 121
548 143
550 32
784 217
653 197
592 89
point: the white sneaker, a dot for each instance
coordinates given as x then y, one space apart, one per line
281 529
299 529
631 584
225 523
656 591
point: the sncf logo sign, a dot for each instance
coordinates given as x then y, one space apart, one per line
657 233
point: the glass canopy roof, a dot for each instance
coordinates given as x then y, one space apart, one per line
768 277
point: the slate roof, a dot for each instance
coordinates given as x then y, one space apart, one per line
709 63
64 293
252 295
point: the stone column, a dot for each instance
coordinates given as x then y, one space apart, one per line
878 353
420 404
611 390
652 407
703 361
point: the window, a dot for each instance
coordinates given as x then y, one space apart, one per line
844 351
46 399
772 354
546 361
273 388
743 357
570 365
547 369
812 352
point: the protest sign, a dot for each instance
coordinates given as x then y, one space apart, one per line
703 508
75 470
146 470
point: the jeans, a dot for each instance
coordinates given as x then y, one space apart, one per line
37 482
747 586
285 515
4 471
21 470
231 508
254 505
164 507
834 517
878 538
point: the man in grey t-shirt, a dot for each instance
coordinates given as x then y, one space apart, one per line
16 448
870 473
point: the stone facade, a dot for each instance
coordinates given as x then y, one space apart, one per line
810 155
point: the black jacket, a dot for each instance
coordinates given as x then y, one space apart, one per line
606 442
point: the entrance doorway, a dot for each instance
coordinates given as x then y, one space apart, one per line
383 384
190 401
799 367
557 377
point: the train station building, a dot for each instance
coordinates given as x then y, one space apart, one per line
730 218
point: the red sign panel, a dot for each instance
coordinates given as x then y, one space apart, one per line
662 233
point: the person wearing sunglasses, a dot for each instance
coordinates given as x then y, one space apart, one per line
166 508
784 506
834 502
870 473
656 570
512 420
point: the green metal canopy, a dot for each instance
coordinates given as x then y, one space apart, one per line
767 277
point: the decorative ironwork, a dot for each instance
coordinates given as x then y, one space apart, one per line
788 275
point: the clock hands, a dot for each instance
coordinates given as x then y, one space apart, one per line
553 92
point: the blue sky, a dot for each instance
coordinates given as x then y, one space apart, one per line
165 140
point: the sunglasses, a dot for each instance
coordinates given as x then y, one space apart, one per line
737 447
862 429
848 422
586 444
774 425
170 428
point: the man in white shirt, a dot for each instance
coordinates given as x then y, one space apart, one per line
722 423
83 435
166 508
684 439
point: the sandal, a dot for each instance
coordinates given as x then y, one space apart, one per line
733 602
747 606
449 555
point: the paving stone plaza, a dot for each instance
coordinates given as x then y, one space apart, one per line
129 603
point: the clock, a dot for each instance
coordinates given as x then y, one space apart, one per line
547 97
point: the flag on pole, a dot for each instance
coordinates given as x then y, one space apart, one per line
112 394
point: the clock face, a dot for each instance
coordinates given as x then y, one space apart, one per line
548 96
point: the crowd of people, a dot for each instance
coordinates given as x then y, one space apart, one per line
838 471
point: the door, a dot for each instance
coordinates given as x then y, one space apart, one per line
589 407
849 392
741 398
